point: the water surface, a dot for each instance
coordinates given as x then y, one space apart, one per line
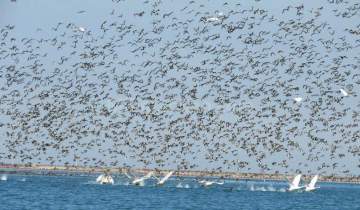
81 192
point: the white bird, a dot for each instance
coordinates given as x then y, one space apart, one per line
343 92
82 29
165 178
99 178
311 185
139 181
212 19
105 179
207 183
294 185
298 99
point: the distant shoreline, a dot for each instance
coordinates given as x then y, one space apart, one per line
36 169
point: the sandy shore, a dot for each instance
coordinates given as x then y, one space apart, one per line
53 170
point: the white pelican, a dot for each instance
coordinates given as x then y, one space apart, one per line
343 92
105 179
139 181
207 183
294 185
311 185
298 99
212 19
165 178
82 29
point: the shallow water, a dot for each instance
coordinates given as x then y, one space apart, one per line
82 192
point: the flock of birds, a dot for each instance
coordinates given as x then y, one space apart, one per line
107 179
190 85
294 185
140 181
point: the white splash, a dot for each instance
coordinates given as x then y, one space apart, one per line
271 189
266 189
282 190
180 185
4 177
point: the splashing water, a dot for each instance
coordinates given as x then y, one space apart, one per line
4 177
252 188
282 190
141 184
263 189
271 188
266 189
180 185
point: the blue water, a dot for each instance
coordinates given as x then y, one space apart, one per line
81 192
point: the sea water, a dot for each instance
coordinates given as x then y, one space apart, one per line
82 192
